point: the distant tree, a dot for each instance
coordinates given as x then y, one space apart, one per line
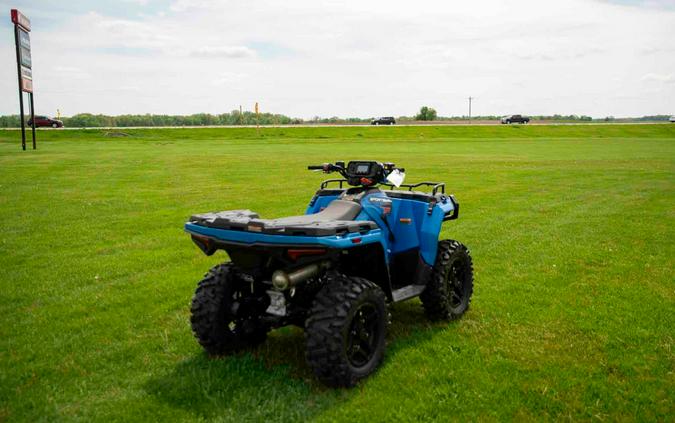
655 117
11 121
426 113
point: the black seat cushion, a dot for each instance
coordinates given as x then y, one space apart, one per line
336 210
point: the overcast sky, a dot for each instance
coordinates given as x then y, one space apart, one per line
338 58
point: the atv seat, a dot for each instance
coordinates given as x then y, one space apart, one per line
336 210
338 217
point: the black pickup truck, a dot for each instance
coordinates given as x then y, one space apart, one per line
383 121
515 119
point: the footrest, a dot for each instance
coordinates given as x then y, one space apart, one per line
407 292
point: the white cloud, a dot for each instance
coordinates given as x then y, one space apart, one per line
358 59
70 72
670 78
123 32
230 52
229 78
187 5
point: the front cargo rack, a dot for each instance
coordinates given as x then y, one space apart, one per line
435 186
325 183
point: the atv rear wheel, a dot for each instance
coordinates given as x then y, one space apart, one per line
345 330
214 318
448 292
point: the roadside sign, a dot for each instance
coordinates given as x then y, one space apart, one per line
25 58
24 65
20 19
26 79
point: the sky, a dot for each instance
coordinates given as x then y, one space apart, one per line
310 58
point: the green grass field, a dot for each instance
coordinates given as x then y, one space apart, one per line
571 229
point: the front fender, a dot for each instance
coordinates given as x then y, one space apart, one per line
446 208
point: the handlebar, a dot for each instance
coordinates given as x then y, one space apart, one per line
374 174
327 168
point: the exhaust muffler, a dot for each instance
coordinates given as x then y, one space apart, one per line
282 280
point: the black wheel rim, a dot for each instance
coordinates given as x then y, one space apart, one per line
236 321
363 336
232 324
456 285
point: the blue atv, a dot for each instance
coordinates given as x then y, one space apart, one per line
333 270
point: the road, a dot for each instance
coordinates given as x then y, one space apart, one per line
342 125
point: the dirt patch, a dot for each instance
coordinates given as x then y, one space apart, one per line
116 134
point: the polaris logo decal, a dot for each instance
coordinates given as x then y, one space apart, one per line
383 202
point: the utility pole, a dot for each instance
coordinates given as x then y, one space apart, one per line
257 119
470 98
241 116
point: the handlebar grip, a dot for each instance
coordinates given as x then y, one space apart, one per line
314 167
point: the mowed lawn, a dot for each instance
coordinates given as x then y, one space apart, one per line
571 230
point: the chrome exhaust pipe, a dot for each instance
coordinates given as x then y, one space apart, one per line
282 280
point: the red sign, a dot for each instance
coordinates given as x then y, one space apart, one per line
26 79
26 85
20 19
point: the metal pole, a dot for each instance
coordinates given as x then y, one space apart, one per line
18 70
257 119
470 98
32 119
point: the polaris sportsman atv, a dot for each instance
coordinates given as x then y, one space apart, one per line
333 270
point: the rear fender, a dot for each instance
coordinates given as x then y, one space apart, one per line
205 244
367 261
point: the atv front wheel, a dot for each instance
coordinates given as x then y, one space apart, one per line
217 320
345 330
448 292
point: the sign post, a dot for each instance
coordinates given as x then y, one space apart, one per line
24 66
257 119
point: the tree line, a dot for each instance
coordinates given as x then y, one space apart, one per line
89 120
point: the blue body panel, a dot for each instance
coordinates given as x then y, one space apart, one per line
415 224
421 231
